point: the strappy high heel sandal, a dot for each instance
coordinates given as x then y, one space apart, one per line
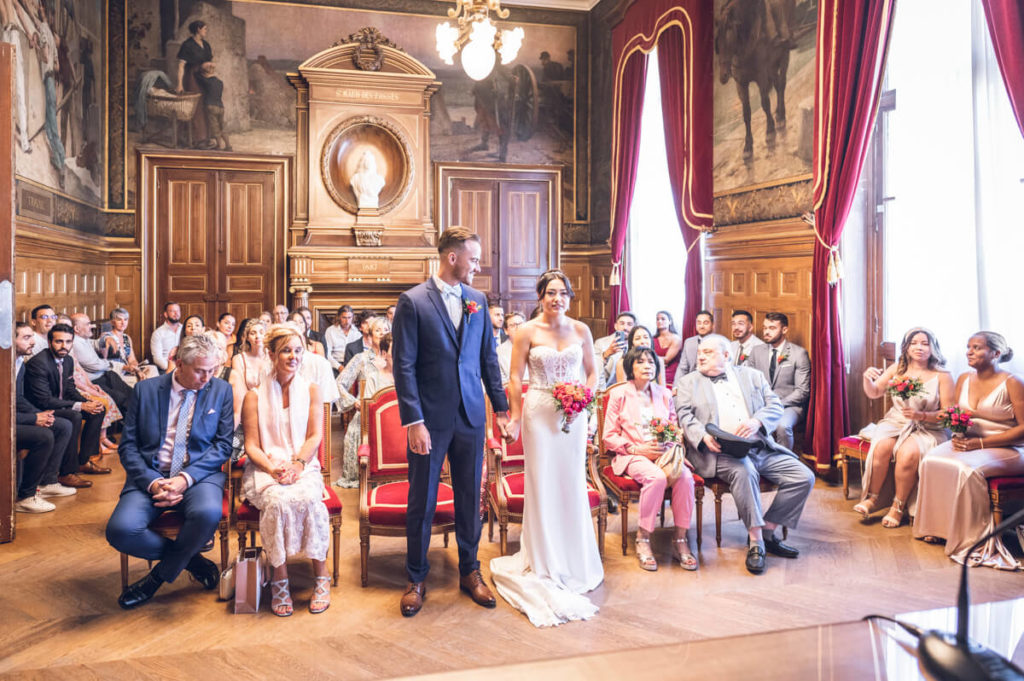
894 518
280 598
681 553
644 555
866 507
321 595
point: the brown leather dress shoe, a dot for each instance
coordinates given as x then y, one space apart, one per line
92 468
74 480
412 599
474 585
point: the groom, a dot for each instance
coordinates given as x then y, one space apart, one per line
442 348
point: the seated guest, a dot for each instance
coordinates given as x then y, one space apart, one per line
250 359
788 370
631 407
338 335
280 314
226 328
224 368
166 336
908 430
389 314
283 429
111 415
266 318
116 345
610 348
100 371
45 436
50 385
376 374
42 319
317 370
177 466
744 339
705 323
667 344
348 378
312 345
512 322
497 315
739 402
639 336
363 343
307 316
192 326
953 502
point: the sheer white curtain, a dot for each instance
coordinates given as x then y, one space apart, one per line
654 246
954 236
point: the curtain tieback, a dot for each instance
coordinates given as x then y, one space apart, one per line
615 278
834 272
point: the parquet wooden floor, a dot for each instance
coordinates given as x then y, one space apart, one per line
60 580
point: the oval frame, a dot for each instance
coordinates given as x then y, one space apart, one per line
389 133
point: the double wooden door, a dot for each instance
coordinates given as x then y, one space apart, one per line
516 212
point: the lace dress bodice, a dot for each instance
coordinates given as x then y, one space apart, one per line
549 366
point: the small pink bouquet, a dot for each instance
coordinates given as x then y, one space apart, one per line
572 399
904 387
663 431
957 420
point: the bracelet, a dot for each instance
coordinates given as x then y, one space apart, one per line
299 460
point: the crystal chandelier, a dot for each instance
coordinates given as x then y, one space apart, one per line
478 37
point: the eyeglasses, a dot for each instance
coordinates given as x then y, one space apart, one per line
47 316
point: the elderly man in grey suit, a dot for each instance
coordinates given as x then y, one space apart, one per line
738 400
705 323
788 370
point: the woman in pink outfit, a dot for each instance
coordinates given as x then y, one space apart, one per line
631 407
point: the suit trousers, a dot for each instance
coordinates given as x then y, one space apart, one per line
46 447
115 386
795 482
85 438
464 445
128 528
791 418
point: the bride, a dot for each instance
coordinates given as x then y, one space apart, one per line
558 559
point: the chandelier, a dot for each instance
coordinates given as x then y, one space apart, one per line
477 37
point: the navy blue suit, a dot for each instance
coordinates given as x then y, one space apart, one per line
209 446
438 374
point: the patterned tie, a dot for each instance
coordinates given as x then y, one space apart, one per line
181 432
60 379
771 367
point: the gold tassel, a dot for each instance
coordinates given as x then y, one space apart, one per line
615 278
835 266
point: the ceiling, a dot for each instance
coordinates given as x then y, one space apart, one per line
578 5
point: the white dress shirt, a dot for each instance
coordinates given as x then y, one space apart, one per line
41 343
163 340
166 452
335 340
85 354
452 297
317 369
736 348
732 408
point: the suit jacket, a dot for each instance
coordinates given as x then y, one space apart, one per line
25 411
145 427
696 406
353 349
438 370
42 382
623 422
792 374
687 358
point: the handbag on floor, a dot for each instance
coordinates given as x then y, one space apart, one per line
251 575
226 585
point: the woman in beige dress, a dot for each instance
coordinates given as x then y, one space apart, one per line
954 502
283 429
909 429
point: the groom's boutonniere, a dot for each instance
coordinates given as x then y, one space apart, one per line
470 306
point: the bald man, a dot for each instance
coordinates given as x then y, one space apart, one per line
101 371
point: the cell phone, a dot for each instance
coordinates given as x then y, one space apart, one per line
620 337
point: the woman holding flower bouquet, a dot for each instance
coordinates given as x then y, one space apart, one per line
920 390
558 559
954 502
640 429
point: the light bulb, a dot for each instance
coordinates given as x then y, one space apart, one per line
511 41
446 36
478 55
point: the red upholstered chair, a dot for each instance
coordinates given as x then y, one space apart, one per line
851 448
247 518
626 490
384 477
507 480
1002 490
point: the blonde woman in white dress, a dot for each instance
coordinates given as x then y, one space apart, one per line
283 425
908 430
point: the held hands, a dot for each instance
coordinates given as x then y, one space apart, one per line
287 474
748 428
511 429
45 418
502 420
92 407
650 450
419 439
167 492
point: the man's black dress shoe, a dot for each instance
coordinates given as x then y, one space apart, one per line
755 559
204 570
777 548
141 591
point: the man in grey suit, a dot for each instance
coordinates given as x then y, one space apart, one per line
744 340
705 322
738 400
788 370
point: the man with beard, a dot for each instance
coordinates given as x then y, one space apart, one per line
787 368
165 337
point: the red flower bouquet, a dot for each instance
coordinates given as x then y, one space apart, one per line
904 387
957 420
572 399
470 306
664 432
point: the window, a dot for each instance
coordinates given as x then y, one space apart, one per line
655 252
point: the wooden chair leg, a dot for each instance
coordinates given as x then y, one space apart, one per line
997 511
364 556
718 520
602 527
624 512
662 514
490 524
241 541
846 476
124 571
699 504
503 535
336 532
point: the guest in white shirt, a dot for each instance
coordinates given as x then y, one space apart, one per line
166 336
43 318
609 348
512 322
338 335
744 340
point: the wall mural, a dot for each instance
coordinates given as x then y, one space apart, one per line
764 95
522 113
59 97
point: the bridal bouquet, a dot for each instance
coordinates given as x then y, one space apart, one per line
573 399
957 420
904 387
664 432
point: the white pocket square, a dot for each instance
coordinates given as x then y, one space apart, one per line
212 411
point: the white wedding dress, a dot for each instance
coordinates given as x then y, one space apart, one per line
558 559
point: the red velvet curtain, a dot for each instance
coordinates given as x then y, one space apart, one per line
688 131
1005 20
852 40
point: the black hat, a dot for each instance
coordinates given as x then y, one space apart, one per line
733 445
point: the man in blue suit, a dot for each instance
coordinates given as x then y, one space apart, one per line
442 348
177 436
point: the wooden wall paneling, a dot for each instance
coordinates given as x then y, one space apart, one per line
528 241
72 278
7 352
588 269
247 243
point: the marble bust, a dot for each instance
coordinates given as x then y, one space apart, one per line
367 182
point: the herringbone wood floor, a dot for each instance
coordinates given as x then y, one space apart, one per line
59 617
